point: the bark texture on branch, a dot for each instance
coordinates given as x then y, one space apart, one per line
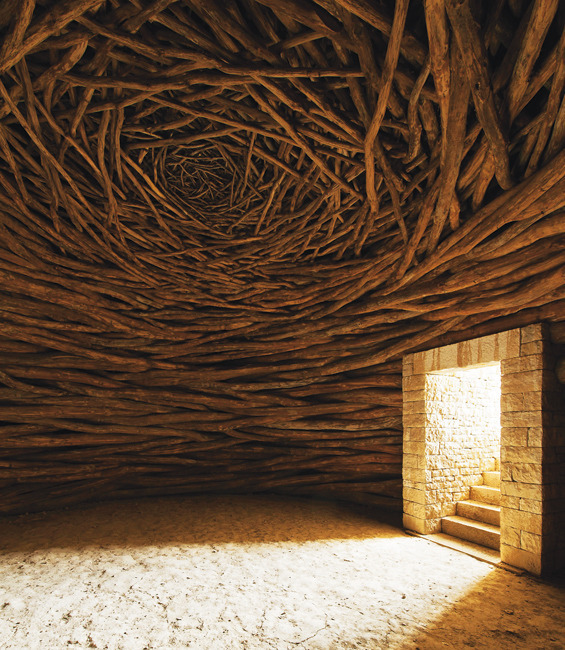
222 225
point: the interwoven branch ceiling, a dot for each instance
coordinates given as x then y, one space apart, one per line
223 223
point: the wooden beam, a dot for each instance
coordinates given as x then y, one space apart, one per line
470 43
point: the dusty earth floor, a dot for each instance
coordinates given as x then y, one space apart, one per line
255 572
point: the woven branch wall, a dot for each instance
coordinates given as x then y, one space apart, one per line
222 224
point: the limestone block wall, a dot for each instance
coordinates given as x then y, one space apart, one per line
532 469
462 431
532 448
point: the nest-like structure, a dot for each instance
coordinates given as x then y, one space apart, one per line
222 224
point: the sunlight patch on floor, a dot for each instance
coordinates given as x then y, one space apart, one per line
360 584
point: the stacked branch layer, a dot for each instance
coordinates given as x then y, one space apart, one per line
222 225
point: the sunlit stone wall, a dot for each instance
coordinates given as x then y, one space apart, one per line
532 456
462 431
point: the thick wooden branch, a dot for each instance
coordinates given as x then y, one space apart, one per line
472 49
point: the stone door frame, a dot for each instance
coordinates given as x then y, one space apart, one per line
530 399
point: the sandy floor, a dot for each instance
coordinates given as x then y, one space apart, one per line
255 572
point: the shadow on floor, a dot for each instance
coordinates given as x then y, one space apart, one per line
532 617
196 520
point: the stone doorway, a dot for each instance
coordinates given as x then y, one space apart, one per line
531 440
462 431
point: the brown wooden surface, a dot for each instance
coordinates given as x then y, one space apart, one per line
222 224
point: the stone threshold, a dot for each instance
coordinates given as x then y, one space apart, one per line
481 553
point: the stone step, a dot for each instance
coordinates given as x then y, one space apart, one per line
474 531
492 479
477 551
485 494
484 512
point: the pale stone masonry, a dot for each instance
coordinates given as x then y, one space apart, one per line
462 431
440 463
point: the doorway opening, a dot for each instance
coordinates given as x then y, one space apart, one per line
463 431
440 464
